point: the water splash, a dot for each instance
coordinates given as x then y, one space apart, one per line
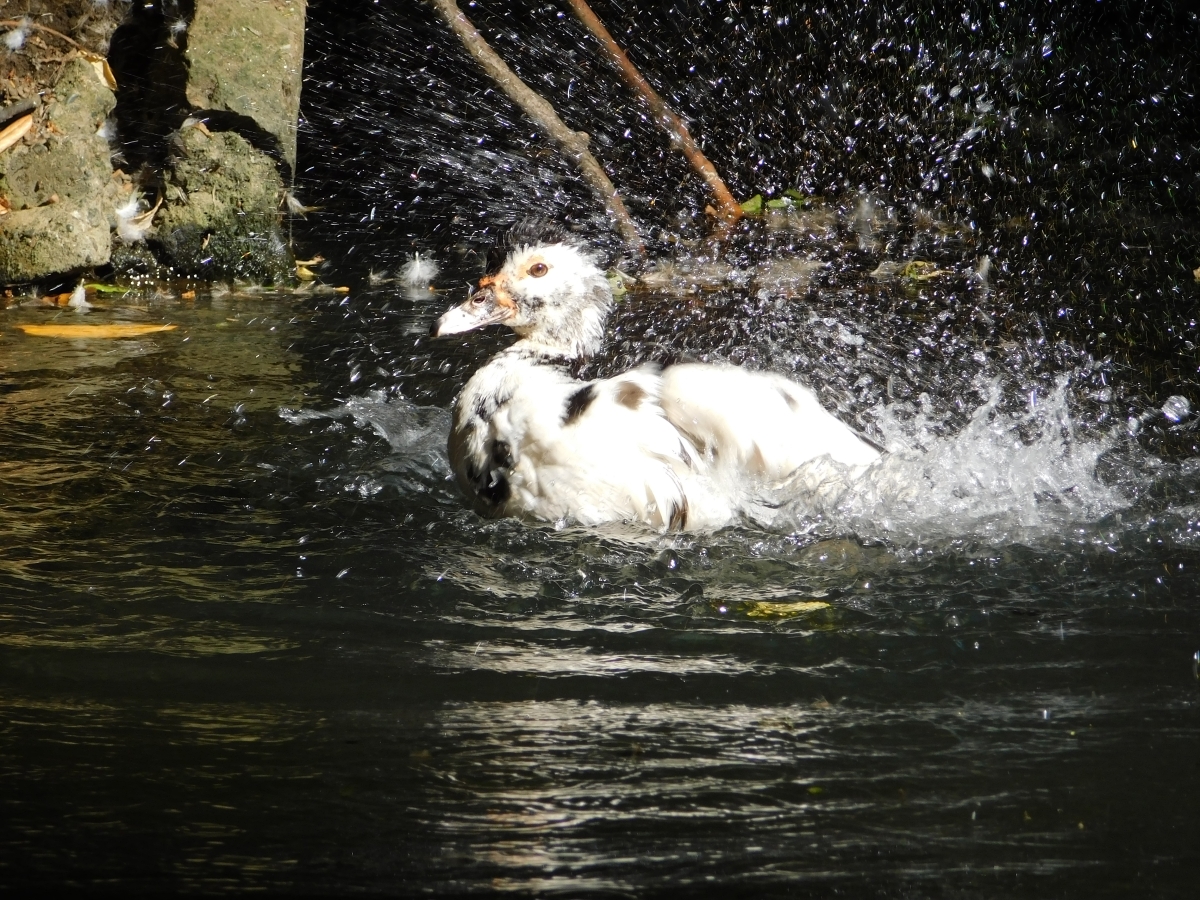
416 435
1005 477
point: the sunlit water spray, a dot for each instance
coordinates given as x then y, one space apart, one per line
1001 427
1005 477
1022 469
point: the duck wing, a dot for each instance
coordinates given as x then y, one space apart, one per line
756 422
631 451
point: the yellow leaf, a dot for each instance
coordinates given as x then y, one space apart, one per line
764 610
919 270
122 330
103 71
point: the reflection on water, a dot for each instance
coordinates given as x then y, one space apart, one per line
252 637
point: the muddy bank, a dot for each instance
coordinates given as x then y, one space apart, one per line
148 139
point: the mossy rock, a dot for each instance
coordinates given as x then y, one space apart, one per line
59 184
82 100
246 58
61 237
221 218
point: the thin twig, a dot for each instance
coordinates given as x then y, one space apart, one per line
536 107
27 23
728 208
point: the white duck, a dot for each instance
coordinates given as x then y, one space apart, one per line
675 449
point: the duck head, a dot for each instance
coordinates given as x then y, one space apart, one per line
551 294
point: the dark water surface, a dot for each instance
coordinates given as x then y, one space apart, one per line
250 637
251 649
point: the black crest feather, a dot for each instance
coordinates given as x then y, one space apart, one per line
527 232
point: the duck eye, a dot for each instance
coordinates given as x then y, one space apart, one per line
537 270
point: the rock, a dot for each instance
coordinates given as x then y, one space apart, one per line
221 216
234 65
59 184
245 57
83 100
47 240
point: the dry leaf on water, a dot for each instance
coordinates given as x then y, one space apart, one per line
119 330
765 610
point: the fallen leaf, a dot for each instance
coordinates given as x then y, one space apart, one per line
765 610
920 270
122 330
15 132
103 71
144 220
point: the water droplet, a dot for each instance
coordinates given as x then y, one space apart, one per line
1177 408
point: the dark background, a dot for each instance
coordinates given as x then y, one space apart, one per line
1084 117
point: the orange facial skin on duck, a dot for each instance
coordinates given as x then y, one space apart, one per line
498 287
489 304
492 302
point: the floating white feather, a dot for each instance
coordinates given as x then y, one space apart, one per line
78 301
15 39
419 271
133 224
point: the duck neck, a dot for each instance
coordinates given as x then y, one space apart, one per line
576 336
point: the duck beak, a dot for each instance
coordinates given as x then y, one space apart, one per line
480 309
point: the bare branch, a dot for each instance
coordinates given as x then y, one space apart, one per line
574 143
728 208
26 23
